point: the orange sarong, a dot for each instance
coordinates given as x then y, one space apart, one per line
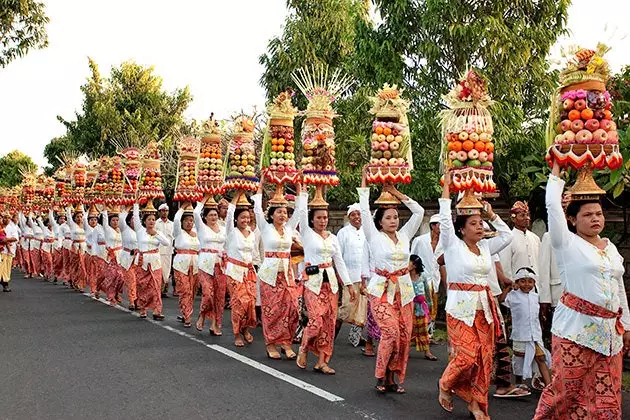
243 302
279 311
149 288
213 294
186 287
319 333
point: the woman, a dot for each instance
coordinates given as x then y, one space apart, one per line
591 324
185 263
321 250
239 246
278 294
421 312
390 288
213 283
25 242
112 278
130 245
147 262
96 257
66 250
471 312
46 253
35 247
57 244
77 272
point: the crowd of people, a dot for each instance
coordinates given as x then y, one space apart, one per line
551 313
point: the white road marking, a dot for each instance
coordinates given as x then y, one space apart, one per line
236 356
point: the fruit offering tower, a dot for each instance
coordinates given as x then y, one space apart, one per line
79 171
581 133
60 186
390 158
131 163
278 157
186 189
239 167
318 134
113 183
91 175
210 167
468 151
151 179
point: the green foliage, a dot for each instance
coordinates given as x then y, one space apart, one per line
128 105
22 28
10 166
54 149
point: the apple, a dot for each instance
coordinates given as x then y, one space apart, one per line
591 125
462 155
584 136
600 136
374 137
452 155
398 139
378 154
599 114
569 137
394 145
373 161
387 154
577 125
401 161
567 105
606 125
473 154
490 157
483 157
580 104
559 139
566 125
463 136
393 162
383 162
484 137
390 138
613 138
382 138
375 145
473 137
473 163
384 146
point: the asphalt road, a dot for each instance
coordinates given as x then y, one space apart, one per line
64 355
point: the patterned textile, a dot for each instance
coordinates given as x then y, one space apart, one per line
17 261
419 333
112 279
395 322
213 294
47 264
98 277
186 287
243 302
585 384
279 311
67 268
58 263
519 207
149 288
35 267
372 329
502 363
78 275
319 333
129 277
468 372
588 308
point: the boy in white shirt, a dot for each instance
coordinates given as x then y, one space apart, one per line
528 348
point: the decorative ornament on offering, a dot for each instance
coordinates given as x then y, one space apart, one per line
186 188
391 161
151 179
468 151
29 182
581 133
210 167
278 156
318 134
240 163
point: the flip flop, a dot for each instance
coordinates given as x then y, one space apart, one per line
325 369
431 358
297 361
515 392
445 402
396 388
366 354
290 356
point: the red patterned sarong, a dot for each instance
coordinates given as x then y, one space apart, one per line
35 267
585 384
98 276
319 333
130 284
112 279
279 311
66 274
17 261
149 288
243 301
395 324
58 263
186 287
213 294
47 264
469 371
78 275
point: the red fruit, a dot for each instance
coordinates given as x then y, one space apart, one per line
568 104
577 125
592 124
580 104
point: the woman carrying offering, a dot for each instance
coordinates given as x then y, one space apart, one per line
278 292
35 247
390 287
591 324
57 244
185 263
130 245
147 263
239 246
323 260
213 284
76 271
25 245
46 254
471 312
113 277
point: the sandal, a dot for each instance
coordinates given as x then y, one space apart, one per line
158 317
216 333
396 388
325 369
187 324
273 354
431 358
515 392
380 386
291 355
143 316
368 354
302 357
238 342
199 326
180 318
445 399
248 337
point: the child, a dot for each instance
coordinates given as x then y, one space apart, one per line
527 346
421 312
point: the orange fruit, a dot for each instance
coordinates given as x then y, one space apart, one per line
450 145
280 141
574 114
457 146
607 115
468 145
274 141
586 114
489 147
387 131
480 146
379 130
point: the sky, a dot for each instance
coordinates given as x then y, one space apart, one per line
210 45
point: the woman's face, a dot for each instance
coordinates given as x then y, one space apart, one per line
149 222
92 221
187 223
114 222
589 220
78 217
320 220
473 229
243 220
212 217
280 216
390 221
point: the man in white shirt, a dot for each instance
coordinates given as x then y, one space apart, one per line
524 249
7 251
351 239
222 209
166 252
428 248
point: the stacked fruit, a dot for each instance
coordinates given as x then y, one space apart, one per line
151 178
78 183
318 161
210 167
132 174
48 192
240 167
387 141
278 157
186 188
100 186
114 182
60 185
471 147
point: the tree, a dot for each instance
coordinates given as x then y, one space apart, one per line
129 104
10 166
53 150
22 28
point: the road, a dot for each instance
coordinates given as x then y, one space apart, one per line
65 355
